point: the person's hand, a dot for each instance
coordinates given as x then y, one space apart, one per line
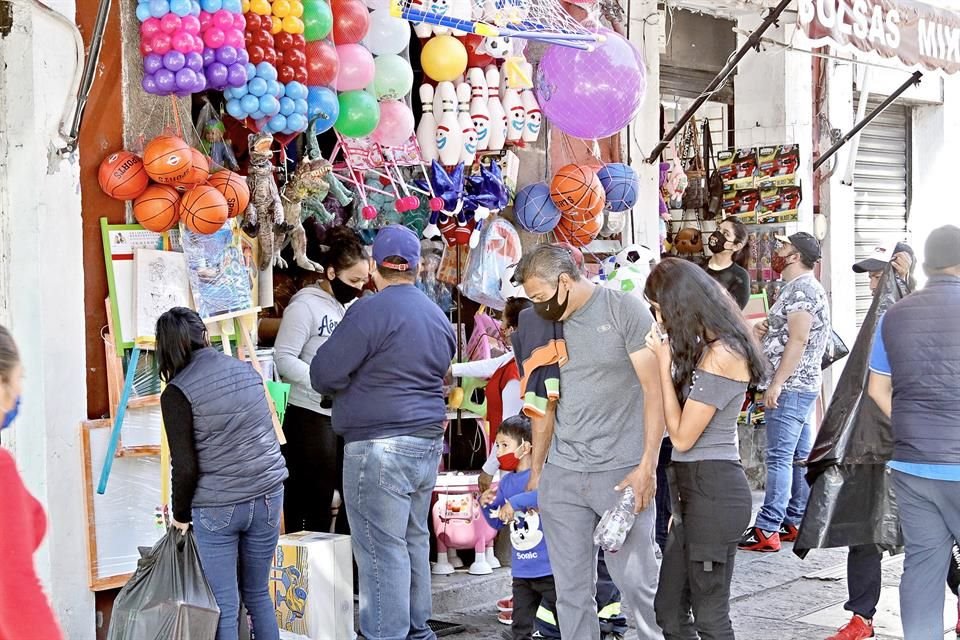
506 512
534 482
487 497
771 396
182 527
902 263
760 329
484 481
658 344
643 481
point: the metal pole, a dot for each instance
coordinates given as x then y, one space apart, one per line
89 72
752 42
912 80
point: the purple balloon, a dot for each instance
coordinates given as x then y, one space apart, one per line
149 84
591 94
226 54
237 75
194 61
186 79
166 81
152 63
209 56
174 60
201 84
217 75
242 56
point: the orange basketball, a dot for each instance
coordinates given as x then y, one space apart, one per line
234 188
203 209
199 170
158 208
168 159
577 187
579 233
123 176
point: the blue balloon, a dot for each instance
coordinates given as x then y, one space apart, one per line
251 71
143 12
211 6
249 103
258 115
278 123
267 71
233 6
180 7
257 87
195 8
269 105
323 108
159 8
297 123
274 89
238 92
287 106
235 109
295 90
301 106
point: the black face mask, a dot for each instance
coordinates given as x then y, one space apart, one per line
717 242
552 309
343 292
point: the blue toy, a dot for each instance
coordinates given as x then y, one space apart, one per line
621 185
534 209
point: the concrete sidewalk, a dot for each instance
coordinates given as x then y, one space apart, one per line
775 596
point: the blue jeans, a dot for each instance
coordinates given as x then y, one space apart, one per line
237 544
387 487
789 440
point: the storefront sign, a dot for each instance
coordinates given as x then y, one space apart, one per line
914 32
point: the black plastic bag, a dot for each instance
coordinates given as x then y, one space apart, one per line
851 501
168 597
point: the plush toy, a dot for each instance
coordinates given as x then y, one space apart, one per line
486 194
264 216
688 241
216 147
309 178
448 200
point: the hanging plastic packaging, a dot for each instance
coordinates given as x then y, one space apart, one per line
168 597
499 248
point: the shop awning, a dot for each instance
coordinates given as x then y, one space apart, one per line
920 35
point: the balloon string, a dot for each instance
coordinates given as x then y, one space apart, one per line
176 116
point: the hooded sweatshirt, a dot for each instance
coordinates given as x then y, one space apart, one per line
308 321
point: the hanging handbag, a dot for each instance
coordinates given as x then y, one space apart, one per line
714 204
695 196
836 350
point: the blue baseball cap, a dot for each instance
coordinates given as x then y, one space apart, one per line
396 240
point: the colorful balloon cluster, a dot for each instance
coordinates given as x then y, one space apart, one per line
359 113
322 65
171 47
224 54
276 107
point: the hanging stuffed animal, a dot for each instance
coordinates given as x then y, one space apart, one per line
264 215
486 194
309 178
447 205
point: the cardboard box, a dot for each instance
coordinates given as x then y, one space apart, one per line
311 584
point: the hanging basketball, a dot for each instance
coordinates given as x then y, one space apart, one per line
534 210
167 159
199 170
123 176
577 187
579 233
620 184
234 188
203 209
157 208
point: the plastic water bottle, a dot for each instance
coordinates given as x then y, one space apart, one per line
616 523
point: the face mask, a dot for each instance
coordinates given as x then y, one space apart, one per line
11 415
343 292
552 310
717 242
509 461
779 263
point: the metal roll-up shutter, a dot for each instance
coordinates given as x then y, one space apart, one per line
882 186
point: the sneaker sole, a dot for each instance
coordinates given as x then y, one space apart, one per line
758 549
502 621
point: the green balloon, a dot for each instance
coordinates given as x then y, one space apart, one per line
393 78
317 20
359 114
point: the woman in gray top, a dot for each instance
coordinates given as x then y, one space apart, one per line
705 366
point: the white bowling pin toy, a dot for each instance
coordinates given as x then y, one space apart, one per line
516 114
498 116
479 111
531 130
460 10
427 129
467 130
424 29
449 133
439 7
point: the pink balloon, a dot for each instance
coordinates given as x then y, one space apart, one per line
396 124
239 22
214 37
170 23
223 19
161 43
206 20
182 42
356 67
190 24
234 38
150 28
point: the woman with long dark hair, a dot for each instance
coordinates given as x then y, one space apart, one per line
25 611
314 453
729 245
707 356
226 466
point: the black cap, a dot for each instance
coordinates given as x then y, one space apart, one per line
881 256
942 249
805 243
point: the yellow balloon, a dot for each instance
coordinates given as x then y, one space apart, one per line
281 8
296 8
292 25
245 6
443 58
277 26
260 7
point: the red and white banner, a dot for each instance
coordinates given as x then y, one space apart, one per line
918 34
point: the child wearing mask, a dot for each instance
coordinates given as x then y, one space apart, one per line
512 505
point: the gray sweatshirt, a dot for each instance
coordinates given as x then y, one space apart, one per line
309 319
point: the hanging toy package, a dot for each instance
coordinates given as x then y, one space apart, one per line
213 139
498 249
